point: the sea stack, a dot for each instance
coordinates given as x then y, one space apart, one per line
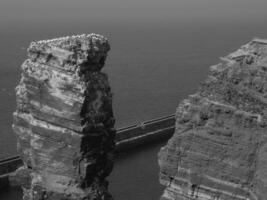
219 148
64 120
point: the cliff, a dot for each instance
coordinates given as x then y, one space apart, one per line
64 120
219 149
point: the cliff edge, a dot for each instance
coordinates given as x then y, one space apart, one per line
219 149
64 120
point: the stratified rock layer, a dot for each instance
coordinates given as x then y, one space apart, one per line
219 149
64 120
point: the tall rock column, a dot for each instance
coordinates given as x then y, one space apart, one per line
64 120
219 148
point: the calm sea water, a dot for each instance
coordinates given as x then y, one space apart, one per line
151 68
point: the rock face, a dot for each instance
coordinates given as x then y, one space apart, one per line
219 149
64 120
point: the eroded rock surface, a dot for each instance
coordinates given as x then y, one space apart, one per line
219 149
64 120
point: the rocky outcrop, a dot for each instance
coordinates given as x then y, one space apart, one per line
64 120
219 149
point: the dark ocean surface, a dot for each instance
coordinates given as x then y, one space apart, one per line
151 68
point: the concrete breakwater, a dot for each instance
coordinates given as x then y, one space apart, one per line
126 138
143 133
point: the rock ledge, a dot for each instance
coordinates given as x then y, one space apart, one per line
64 120
219 147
